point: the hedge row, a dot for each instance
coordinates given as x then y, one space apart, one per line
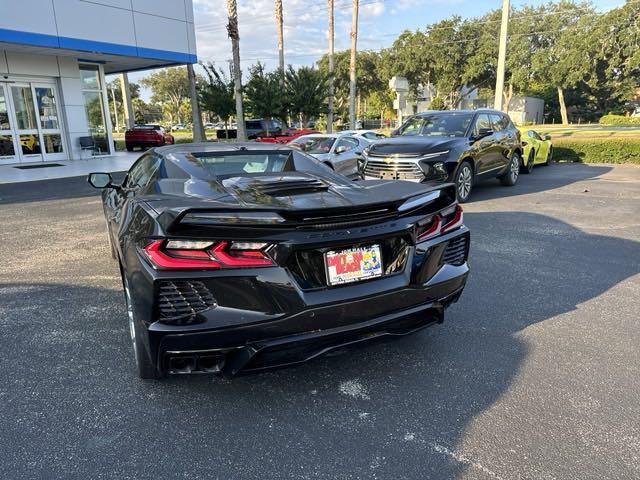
619 120
611 150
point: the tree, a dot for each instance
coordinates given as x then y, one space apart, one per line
217 94
437 104
114 95
169 89
306 91
352 65
234 35
280 30
264 95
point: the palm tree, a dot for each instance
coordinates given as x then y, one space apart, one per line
330 100
352 66
306 92
234 35
280 27
198 128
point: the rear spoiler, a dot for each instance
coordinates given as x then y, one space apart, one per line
429 202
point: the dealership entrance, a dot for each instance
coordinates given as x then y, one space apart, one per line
30 123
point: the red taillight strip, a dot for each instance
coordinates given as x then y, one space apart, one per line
432 231
240 258
162 261
213 258
455 222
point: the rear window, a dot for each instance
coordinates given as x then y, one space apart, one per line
254 125
243 163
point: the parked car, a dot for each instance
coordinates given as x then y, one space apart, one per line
339 151
460 146
263 128
209 126
286 136
368 134
536 149
178 127
146 136
236 258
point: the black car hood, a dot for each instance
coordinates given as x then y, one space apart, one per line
414 145
286 192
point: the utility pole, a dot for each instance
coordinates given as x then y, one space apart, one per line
331 79
198 129
280 28
129 117
234 35
502 57
352 66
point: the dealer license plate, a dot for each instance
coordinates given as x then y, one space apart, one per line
353 265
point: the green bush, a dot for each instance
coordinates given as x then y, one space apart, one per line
619 120
605 150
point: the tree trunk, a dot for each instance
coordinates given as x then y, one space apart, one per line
507 98
331 79
280 30
563 107
352 66
234 35
226 128
198 129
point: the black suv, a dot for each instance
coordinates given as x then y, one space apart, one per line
459 146
259 127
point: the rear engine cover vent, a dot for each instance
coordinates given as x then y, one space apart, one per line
291 187
179 302
456 251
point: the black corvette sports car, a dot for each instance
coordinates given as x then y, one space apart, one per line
241 257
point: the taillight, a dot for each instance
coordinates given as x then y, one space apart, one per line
443 222
203 255
453 220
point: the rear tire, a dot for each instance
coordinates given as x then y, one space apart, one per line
144 366
463 178
549 156
129 148
510 178
528 168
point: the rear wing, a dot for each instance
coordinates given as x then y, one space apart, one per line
429 202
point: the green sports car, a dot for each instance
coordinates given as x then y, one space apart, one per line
537 150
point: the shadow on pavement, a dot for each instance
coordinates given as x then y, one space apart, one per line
52 189
543 178
71 402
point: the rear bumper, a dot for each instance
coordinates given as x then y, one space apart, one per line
178 355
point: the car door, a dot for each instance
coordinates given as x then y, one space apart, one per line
346 162
484 148
118 199
504 138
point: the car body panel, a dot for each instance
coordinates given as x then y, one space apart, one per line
146 136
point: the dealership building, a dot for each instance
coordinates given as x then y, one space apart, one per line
54 55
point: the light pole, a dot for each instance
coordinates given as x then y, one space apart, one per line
331 80
352 66
502 57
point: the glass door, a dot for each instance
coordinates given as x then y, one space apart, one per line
26 124
7 137
49 122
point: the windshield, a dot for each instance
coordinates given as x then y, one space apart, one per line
314 144
437 124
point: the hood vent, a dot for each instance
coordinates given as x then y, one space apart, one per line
276 185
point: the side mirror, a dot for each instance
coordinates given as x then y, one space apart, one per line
546 137
100 180
341 149
395 133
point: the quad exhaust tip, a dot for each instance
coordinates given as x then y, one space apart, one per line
178 364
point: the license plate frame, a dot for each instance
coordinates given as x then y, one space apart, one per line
353 265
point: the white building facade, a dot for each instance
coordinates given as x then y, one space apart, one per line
54 55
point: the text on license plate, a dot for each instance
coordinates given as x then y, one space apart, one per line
352 265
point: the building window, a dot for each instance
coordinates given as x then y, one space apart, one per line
94 106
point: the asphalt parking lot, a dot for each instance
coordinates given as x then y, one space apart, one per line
535 373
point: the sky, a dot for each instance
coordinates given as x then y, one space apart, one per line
305 26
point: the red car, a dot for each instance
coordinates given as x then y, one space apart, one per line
147 136
286 136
